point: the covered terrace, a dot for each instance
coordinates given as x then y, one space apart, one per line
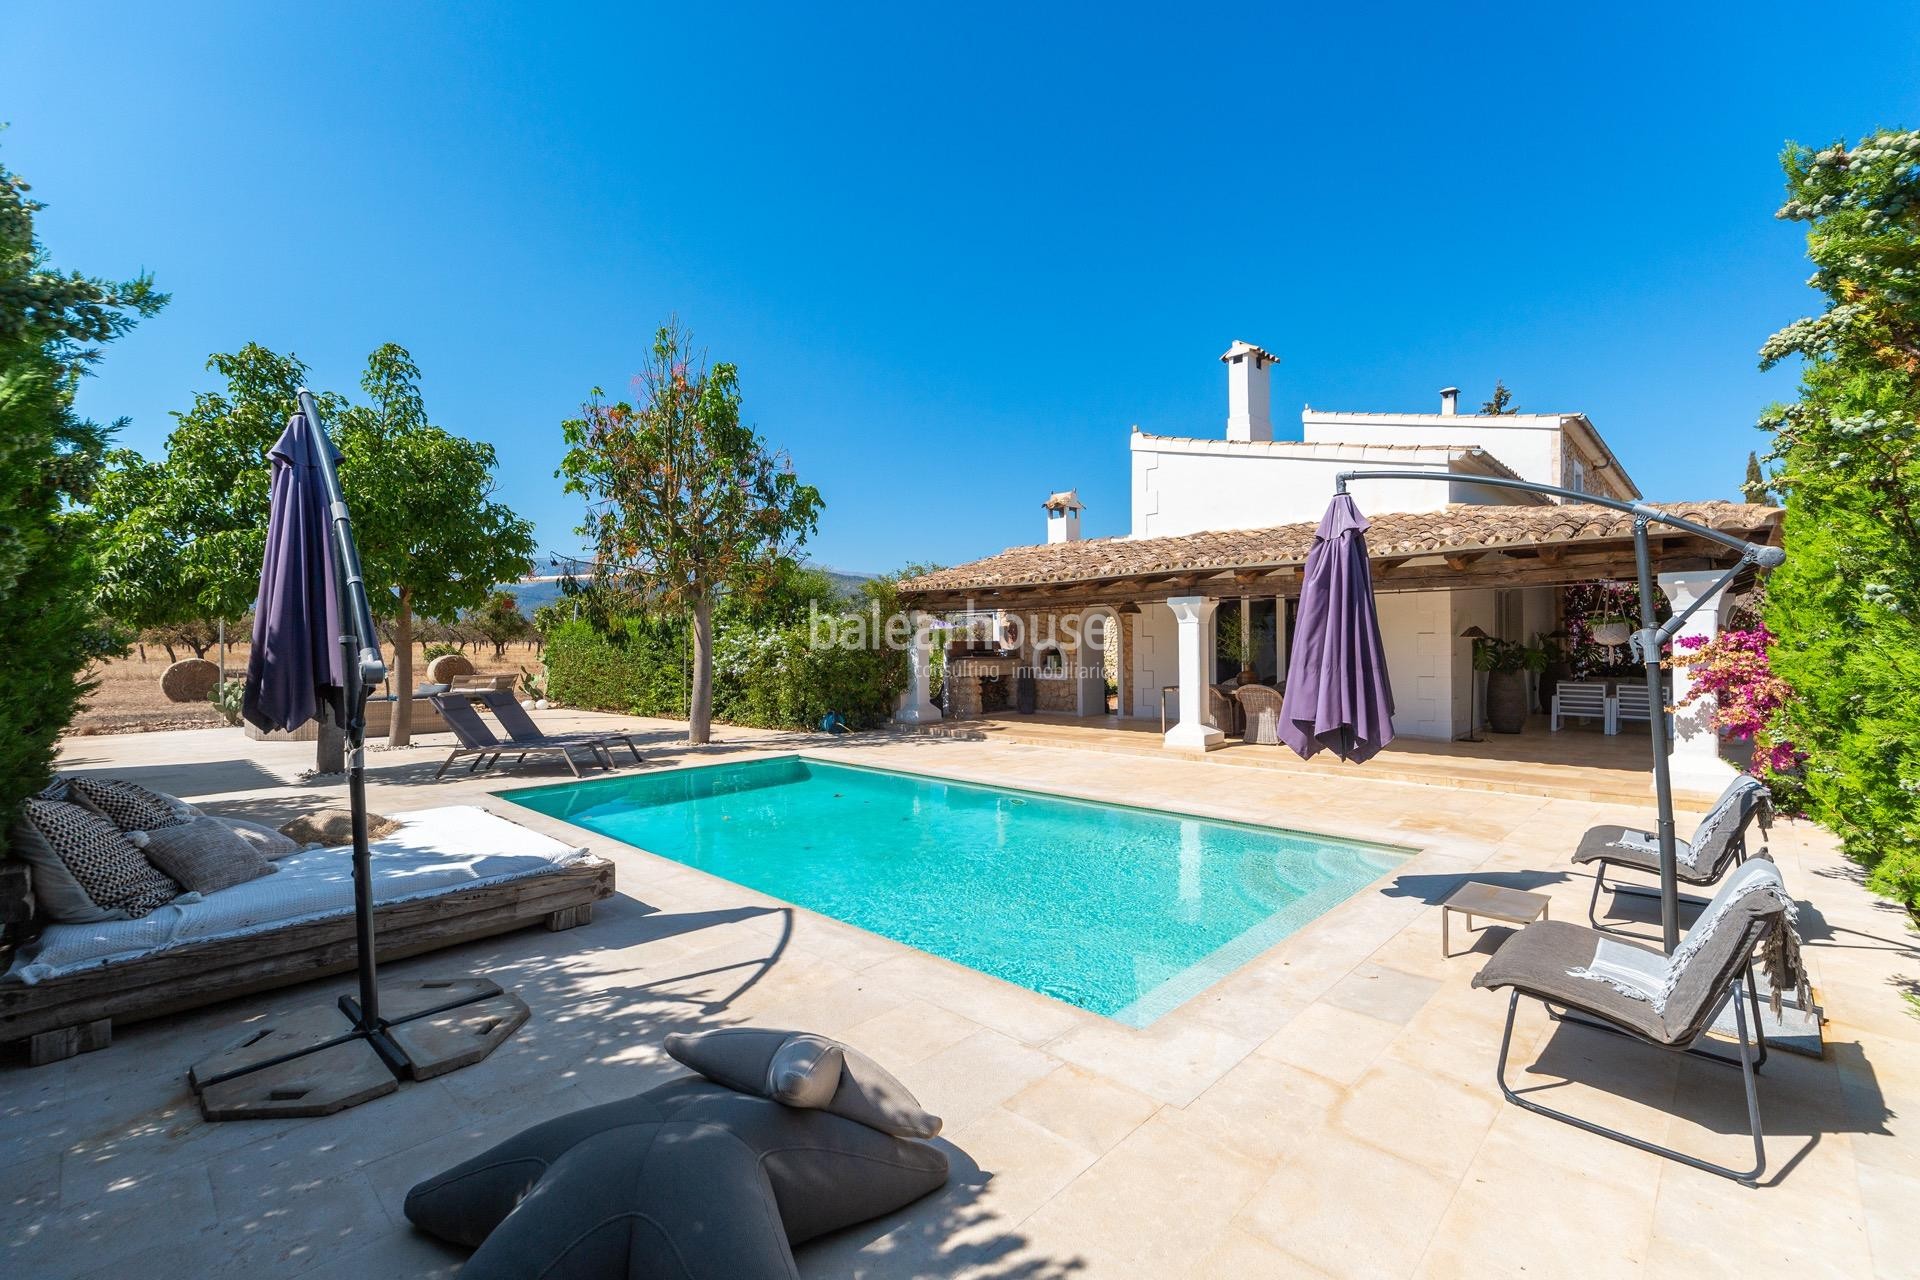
1143 615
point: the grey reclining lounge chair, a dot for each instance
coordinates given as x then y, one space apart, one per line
520 727
1719 842
1669 1002
485 747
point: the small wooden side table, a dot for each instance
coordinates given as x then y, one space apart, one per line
1510 906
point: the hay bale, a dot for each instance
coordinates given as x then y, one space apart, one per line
444 668
334 827
189 680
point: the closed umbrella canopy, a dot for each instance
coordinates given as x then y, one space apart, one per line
1338 697
295 664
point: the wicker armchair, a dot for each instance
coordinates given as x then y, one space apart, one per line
1259 713
1223 713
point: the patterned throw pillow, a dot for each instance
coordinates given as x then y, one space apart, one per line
109 870
128 805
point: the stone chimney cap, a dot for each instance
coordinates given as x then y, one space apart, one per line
1064 500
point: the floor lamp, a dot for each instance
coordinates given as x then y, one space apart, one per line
1476 635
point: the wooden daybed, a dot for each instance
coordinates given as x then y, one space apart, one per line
74 1013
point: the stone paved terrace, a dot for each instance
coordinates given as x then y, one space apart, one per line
1329 1109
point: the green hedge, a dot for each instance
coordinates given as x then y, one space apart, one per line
638 667
765 675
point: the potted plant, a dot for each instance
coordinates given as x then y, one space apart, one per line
1507 663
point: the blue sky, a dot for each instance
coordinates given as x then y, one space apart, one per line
957 251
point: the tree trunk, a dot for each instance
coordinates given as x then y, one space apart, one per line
401 735
330 744
700 704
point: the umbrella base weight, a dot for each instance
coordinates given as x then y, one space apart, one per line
317 1060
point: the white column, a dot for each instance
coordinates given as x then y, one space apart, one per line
1193 733
1695 763
915 708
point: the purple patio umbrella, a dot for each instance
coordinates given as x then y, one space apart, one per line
315 649
1338 697
295 666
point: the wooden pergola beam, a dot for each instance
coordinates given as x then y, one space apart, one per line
1523 567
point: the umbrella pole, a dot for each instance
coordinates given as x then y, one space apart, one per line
1648 642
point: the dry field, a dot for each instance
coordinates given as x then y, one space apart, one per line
128 699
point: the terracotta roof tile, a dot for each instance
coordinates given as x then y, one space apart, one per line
1458 528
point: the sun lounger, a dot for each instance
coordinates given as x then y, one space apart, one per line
1719 842
520 727
485 747
1668 1002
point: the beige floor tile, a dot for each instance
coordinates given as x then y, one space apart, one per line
119 1224
1383 993
1243 1254
1264 1109
1326 1206
1523 1207
1891 1200
908 1033
963 1082
1174 1060
1431 1120
1152 1204
1088 1110
1332 1042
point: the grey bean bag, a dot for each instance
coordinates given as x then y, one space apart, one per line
672 1199
822 1169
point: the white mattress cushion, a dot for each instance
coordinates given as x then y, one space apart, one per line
434 851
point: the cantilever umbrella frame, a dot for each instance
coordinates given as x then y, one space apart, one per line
263 1075
1647 642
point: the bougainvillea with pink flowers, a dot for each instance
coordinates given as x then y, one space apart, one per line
1733 667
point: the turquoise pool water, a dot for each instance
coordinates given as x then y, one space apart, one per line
1126 912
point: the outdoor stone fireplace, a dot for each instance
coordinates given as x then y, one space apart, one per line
977 684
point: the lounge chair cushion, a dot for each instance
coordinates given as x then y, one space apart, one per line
1640 850
204 855
85 870
652 1199
128 805
772 1064
826 1172
1537 960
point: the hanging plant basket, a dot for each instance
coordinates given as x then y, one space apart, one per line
1612 632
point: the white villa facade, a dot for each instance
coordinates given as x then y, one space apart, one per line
1219 526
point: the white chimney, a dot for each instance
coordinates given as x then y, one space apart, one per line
1248 368
1063 516
1449 401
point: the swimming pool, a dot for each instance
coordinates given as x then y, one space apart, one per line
1126 912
